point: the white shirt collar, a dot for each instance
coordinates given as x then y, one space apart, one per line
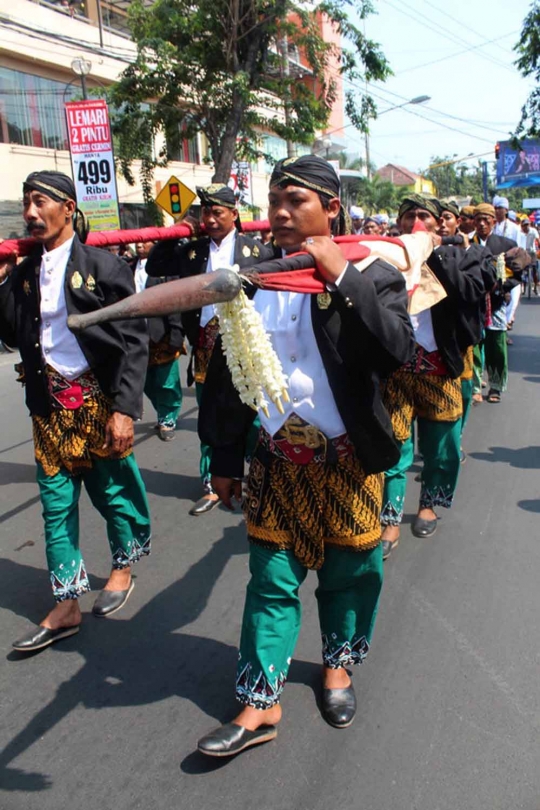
57 254
231 236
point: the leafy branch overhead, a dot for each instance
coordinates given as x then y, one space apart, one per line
232 69
528 63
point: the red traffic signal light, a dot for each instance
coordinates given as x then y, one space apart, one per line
497 151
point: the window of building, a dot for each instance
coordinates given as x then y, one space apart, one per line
32 109
134 215
183 149
276 149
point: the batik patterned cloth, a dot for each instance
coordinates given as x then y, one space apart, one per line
203 351
74 431
468 364
162 352
325 500
431 396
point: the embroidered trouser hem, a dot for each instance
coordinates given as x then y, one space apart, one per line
347 596
439 445
496 359
116 490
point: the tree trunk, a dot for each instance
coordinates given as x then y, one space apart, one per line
225 159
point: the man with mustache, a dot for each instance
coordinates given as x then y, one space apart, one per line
83 393
314 491
223 245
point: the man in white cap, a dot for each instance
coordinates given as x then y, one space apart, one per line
357 219
503 225
383 221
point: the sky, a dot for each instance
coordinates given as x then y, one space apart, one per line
460 54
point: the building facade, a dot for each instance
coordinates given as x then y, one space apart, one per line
39 42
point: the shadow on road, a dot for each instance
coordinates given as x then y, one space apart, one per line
132 662
530 505
526 458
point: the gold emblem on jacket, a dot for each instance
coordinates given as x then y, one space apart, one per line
191 255
76 280
26 287
256 251
91 283
324 300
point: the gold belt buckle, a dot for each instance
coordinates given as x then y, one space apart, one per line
306 435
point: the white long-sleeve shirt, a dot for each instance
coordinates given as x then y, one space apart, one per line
58 344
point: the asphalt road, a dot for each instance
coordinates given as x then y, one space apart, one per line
449 714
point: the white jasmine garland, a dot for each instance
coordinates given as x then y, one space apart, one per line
254 365
501 267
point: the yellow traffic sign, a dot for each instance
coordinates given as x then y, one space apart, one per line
175 198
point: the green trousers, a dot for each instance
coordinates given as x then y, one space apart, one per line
206 452
347 597
163 389
439 444
478 367
496 359
117 491
466 395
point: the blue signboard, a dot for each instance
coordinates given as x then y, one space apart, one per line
518 168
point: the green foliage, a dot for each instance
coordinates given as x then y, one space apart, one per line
219 67
377 195
456 179
528 62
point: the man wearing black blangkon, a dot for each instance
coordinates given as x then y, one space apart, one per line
83 393
314 490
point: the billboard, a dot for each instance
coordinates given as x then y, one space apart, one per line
518 168
90 144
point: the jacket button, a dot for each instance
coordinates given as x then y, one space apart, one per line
349 304
36 345
39 372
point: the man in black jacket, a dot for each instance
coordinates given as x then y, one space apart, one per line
83 394
162 385
493 349
315 484
428 388
223 245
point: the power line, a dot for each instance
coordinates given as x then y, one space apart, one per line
459 23
436 27
457 53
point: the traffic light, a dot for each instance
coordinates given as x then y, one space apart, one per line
497 150
174 193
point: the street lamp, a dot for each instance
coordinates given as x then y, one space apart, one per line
415 100
327 143
82 68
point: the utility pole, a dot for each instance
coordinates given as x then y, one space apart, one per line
485 180
285 72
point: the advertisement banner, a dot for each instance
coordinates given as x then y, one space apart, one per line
518 168
92 159
240 182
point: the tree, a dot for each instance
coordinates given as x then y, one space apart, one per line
376 195
455 179
528 62
458 180
234 68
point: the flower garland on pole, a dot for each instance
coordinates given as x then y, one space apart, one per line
254 365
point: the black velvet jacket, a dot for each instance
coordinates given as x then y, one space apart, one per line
456 318
168 258
363 335
116 352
